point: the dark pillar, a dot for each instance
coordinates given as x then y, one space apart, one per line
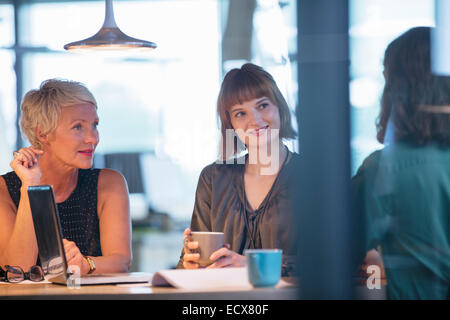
322 200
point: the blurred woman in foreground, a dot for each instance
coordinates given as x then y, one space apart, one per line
402 192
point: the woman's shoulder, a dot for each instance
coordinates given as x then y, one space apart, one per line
11 177
10 181
370 164
10 187
222 168
3 186
101 179
397 155
292 163
111 183
108 176
294 156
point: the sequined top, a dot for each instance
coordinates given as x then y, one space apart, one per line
78 214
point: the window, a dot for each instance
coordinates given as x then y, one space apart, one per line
161 104
373 24
7 85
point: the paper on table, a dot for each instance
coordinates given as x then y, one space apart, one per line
203 278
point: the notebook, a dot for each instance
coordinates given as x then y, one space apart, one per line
52 257
202 278
208 279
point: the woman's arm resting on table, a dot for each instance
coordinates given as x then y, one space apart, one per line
18 244
115 223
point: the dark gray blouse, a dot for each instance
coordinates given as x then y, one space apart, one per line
222 206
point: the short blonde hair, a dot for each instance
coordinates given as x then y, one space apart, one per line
41 108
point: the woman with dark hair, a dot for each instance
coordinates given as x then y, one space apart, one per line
247 196
415 102
402 192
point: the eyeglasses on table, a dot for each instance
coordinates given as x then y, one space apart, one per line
15 274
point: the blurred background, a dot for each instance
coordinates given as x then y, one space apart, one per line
158 124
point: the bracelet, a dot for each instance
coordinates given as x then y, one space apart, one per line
91 263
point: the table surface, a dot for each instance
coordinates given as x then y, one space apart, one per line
143 291
288 290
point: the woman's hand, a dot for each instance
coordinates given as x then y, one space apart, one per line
189 258
224 257
373 258
74 257
26 165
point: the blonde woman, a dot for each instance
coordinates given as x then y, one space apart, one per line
60 121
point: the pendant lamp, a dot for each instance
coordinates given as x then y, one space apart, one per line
110 37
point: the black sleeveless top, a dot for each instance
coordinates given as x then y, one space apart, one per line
78 214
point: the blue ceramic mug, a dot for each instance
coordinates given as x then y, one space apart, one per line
264 266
